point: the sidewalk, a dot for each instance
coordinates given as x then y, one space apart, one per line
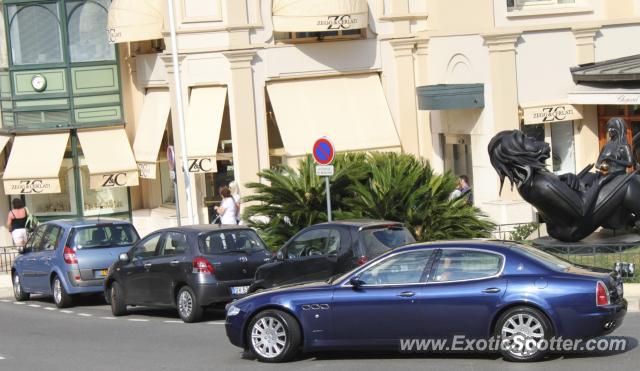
631 292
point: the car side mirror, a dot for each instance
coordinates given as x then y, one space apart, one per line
356 282
279 255
22 249
123 257
332 254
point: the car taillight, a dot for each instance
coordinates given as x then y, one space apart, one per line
362 260
602 294
202 265
69 255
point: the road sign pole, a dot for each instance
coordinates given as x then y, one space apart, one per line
326 183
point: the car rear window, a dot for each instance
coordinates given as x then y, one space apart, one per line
543 257
377 241
229 241
103 236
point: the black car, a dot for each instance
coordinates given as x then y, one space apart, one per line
324 250
188 267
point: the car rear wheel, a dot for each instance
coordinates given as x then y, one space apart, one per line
60 296
524 334
274 336
18 291
188 307
118 305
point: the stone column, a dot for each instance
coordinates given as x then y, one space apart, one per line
406 90
585 43
586 130
502 104
425 136
246 157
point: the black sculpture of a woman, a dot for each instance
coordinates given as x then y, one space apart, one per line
616 154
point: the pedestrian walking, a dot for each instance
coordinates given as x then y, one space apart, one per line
17 222
235 194
227 209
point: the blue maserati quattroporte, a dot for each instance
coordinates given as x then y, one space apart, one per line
476 289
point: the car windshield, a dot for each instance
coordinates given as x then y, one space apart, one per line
377 241
543 257
103 236
230 241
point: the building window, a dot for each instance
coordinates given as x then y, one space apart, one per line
87 22
56 204
168 186
522 4
302 37
35 34
562 147
103 201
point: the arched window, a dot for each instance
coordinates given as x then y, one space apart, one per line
35 34
87 24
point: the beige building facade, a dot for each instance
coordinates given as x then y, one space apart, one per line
261 80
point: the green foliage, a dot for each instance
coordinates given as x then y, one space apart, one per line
523 231
386 186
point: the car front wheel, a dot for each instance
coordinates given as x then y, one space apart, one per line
274 336
524 334
18 291
188 307
60 296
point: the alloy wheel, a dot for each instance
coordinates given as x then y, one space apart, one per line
57 290
17 290
268 337
185 304
521 334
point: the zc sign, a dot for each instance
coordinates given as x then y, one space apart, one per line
114 180
31 186
202 165
338 22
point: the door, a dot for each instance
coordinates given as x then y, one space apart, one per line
311 256
389 305
29 259
464 291
135 273
169 267
45 259
457 154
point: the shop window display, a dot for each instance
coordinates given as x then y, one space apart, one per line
562 147
104 200
56 204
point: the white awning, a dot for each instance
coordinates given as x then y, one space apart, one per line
584 94
206 108
151 125
552 112
109 158
319 15
135 20
34 164
351 110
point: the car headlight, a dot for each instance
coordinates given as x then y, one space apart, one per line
233 311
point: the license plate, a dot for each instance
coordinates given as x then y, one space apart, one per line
104 272
239 290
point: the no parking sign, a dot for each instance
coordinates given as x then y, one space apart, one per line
323 153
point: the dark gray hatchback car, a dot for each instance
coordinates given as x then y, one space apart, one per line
188 268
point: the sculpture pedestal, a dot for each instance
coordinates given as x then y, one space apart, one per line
602 241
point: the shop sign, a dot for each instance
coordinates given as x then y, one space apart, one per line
324 23
339 22
203 165
147 170
31 186
628 99
551 113
114 180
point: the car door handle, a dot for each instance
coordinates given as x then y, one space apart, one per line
147 265
175 262
407 294
491 290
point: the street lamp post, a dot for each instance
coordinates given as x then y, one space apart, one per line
178 92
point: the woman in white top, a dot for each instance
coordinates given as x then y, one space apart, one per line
227 209
235 194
